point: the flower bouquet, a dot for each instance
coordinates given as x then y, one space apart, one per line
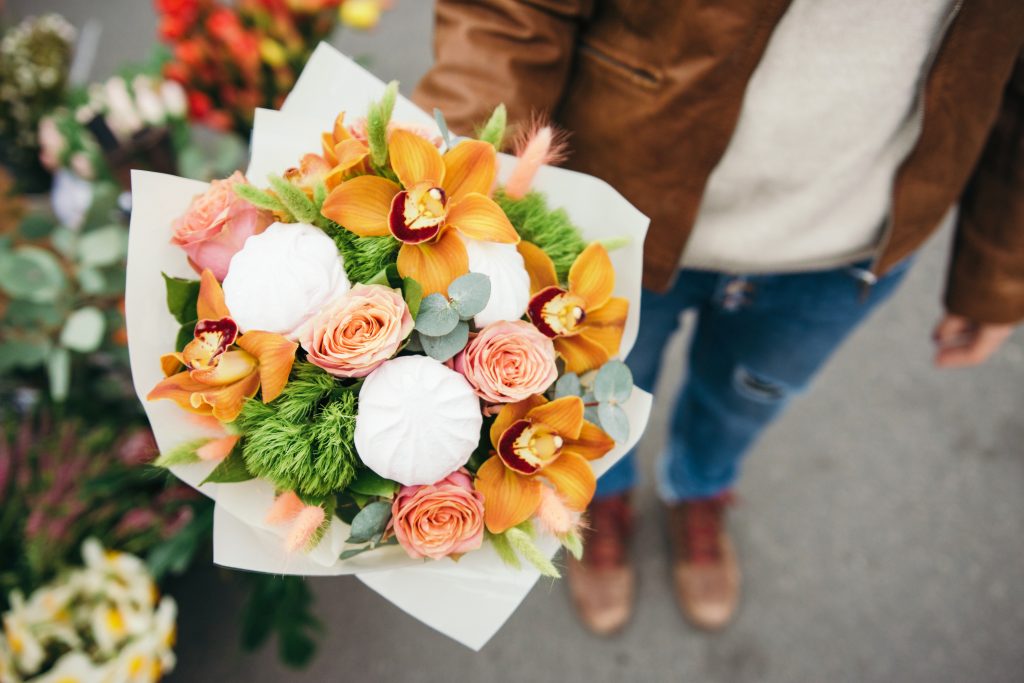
234 57
103 622
385 363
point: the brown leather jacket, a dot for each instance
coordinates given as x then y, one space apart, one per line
651 93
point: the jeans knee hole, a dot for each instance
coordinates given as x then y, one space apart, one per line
757 388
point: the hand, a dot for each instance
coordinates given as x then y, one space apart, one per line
961 342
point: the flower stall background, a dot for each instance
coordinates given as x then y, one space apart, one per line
873 548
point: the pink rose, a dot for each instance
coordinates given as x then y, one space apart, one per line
437 520
508 361
217 224
358 331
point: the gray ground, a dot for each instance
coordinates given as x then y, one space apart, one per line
879 526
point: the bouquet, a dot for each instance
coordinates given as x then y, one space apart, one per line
233 58
385 363
117 125
103 622
35 57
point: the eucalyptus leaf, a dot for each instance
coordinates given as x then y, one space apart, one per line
32 274
470 294
83 330
369 483
613 421
590 408
58 369
182 295
91 280
65 241
436 316
25 314
371 520
36 226
103 246
104 205
444 347
614 382
19 353
568 385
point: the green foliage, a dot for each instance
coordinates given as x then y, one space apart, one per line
281 605
182 296
551 230
442 125
369 483
364 257
303 440
230 470
183 454
377 119
295 200
369 525
603 392
442 323
259 198
494 130
522 542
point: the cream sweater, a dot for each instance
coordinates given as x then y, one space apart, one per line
827 118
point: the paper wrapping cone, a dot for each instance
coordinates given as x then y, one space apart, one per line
468 600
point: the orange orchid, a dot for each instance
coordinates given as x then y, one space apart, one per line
585 320
539 443
343 153
312 169
223 368
438 196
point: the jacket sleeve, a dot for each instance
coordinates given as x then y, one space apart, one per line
986 279
488 52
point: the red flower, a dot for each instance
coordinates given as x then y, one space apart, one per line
223 24
199 104
190 53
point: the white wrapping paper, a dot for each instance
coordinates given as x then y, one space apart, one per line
468 600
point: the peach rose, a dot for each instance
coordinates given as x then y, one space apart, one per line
217 224
508 361
358 331
437 520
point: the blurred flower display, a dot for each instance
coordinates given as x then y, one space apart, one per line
35 56
101 622
233 58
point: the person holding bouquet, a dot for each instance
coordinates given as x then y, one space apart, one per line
793 155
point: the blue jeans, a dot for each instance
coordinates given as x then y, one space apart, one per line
759 340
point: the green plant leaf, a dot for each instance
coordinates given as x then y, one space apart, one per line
613 421
574 544
413 293
494 130
103 246
36 226
32 274
369 483
352 552
437 317
182 295
18 353
231 470
614 382
258 198
183 454
295 200
91 280
524 545
371 521
186 333
442 125
444 347
568 385
83 330
504 550
470 294
58 369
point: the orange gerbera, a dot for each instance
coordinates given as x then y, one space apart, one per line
437 196
223 368
539 443
585 320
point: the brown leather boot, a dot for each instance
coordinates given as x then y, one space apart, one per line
602 584
704 567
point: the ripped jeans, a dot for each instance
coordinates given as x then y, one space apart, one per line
759 340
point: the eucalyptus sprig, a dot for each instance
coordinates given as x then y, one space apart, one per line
442 325
603 393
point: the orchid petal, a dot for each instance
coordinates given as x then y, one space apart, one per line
210 304
434 264
349 153
539 266
414 159
509 498
479 217
361 205
604 325
180 388
574 479
229 368
226 402
275 355
470 166
564 416
171 363
592 276
510 413
580 354
592 442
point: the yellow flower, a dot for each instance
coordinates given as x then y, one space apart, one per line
218 378
585 321
536 439
438 196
